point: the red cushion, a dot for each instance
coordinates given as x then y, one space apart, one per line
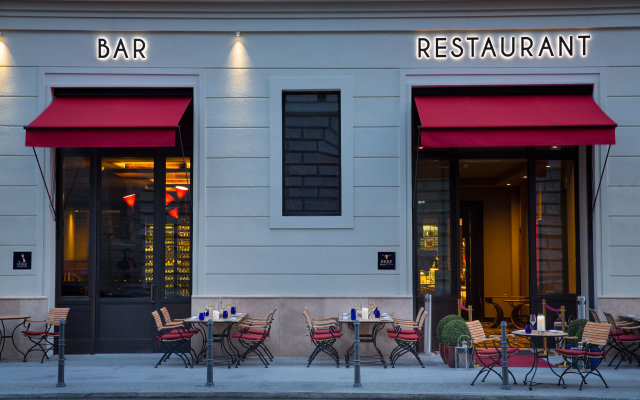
251 337
175 336
34 333
596 354
571 352
494 351
403 331
236 335
629 338
323 336
192 331
618 332
254 331
323 331
408 337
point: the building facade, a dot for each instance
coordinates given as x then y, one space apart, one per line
309 167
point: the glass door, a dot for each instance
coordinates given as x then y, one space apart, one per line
126 253
554 273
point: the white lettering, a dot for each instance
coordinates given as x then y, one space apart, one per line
505 47
124 49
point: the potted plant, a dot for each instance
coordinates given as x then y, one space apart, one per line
574 330
450 334
443 322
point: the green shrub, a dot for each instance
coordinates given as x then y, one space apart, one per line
575 328
444 321
453 330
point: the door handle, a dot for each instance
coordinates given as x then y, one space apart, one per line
152 288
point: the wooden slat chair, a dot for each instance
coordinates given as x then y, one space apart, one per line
595 316
177 322
44 339
323 333
407 335
625 339
594 338
408 321
488 351
252 334
174 339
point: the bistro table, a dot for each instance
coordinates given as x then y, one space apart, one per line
229 351
539 354
3 331
377 324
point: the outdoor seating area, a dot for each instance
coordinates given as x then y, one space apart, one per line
585 348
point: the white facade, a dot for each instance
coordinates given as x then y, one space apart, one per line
242 247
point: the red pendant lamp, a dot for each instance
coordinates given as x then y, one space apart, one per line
130 199
174 213
168 198
181 191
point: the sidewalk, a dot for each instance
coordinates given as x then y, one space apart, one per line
122 376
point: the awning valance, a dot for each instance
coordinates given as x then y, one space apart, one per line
88 121
512 120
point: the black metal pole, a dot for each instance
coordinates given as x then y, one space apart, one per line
61 343
356 353
505 366
209 353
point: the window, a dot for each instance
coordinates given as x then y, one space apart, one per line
311 153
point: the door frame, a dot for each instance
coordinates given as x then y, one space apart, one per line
453 156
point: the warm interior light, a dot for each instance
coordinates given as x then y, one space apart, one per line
174 213
181 191
130 199
168 198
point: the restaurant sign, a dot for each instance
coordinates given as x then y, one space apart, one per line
21 260
386 260
443 47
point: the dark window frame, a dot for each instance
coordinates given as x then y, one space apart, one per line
306 201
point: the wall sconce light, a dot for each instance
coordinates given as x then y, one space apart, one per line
237 33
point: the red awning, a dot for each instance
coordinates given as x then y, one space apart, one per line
512 120
108 122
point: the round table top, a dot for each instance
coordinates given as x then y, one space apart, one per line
3 317
534 333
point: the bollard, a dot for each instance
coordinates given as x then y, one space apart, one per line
209 353
505 366
582 307
356 354
427 324
61 344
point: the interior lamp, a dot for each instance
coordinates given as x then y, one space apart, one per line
168 198
130 199
181 191
174 213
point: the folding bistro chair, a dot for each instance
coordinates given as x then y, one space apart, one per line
624 338
407 335
594 337
490 357
44 339
174 339
252 334
177 322
323 333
